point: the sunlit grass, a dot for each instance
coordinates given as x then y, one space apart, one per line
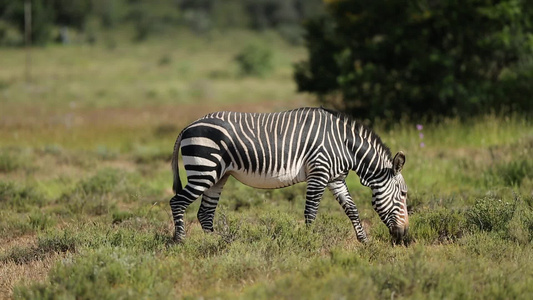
85 182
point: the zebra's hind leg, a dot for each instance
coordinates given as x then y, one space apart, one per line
341 193
209 203
179 204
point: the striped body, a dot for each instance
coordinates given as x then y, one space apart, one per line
274 150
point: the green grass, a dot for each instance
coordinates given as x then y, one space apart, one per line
85 182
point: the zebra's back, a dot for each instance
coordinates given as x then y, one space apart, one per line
264 150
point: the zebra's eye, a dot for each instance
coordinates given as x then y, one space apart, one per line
404 193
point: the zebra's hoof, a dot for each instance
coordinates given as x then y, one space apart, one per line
208 230
363 239
178 239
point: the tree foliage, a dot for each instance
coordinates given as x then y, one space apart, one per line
388 58
151 16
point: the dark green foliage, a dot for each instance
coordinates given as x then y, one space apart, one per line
394 58
230 14
283 15
254 60
71 12
111 13
149 17
42 18
45 14
9 36
279 13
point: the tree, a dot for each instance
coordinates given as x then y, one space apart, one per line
388 58
42 18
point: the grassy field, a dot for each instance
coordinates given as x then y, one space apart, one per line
85 182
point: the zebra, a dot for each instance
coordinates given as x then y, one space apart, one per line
275 150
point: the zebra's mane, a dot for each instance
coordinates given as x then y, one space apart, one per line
357 125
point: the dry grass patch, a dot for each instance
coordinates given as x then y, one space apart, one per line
12 274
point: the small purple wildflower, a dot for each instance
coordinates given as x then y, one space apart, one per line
419 127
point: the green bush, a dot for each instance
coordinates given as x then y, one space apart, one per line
10 162
107 273
13 224
417 58
490 214
441 225
254 60
40 220
98 194
18 197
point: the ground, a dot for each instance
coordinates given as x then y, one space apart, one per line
85 180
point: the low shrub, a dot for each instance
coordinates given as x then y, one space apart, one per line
509 220
13 224
490 214
54 243
40 220
440 225
255 60
98 194
107 273
10 162
21 198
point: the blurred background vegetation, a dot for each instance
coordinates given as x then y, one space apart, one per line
90 112
152 17
373 59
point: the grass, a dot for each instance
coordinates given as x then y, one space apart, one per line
85 183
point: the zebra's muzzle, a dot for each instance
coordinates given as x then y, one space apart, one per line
398 233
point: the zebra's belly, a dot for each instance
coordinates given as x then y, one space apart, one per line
280 179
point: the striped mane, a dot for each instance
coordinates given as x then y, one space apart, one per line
358 126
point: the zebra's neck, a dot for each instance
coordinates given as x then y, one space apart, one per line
372 159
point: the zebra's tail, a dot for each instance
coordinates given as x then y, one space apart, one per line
176 186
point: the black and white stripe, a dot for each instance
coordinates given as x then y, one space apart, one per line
274 150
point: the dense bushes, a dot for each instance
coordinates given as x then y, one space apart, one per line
509 220
393 58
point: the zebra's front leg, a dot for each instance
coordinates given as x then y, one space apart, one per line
179 204
209 203
341 193
316 185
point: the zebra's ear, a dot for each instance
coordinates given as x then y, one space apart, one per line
398 162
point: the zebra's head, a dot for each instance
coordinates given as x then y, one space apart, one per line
389 199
